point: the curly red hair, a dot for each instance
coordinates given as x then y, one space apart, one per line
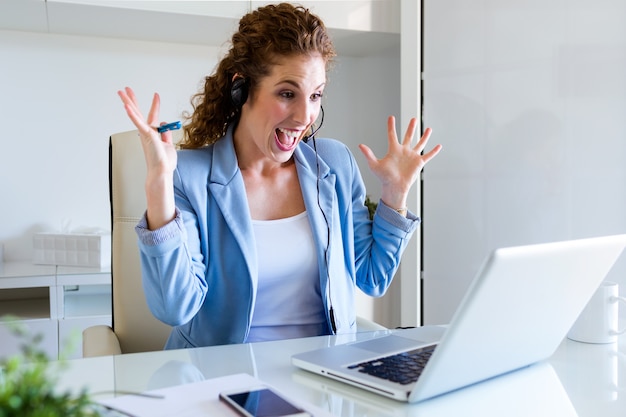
264 34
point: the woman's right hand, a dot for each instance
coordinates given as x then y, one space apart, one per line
160 154
158 148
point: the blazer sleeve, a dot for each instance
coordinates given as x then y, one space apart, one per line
173 272
376 246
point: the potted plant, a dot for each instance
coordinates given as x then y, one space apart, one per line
371 206
28 384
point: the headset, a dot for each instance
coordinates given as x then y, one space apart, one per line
238 95
239 92
312 135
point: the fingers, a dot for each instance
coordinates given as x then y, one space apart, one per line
410 131
421 144
131 94
431 154
368 153
132 109
166 136
408 135
128 98
144 125
392 137
153 116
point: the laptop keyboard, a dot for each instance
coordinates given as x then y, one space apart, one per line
403 368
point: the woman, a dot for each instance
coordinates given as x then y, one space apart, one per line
251 231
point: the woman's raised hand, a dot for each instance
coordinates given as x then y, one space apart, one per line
400 167
158 148
160 153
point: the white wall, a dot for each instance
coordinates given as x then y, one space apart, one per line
59 106
529 100
361 93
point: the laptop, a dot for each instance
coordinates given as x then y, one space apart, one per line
533 391
516 312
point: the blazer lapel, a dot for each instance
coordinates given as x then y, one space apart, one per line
227 188
320 207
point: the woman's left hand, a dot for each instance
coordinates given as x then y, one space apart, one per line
400 167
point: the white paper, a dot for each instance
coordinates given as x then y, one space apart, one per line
195 399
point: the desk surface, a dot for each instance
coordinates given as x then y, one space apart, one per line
579 380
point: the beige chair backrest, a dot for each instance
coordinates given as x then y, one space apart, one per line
133 323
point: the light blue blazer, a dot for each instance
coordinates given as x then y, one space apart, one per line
200 271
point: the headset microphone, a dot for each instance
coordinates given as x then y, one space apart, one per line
312 135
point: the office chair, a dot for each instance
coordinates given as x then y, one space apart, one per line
134 328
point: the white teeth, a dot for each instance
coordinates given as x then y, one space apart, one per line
290 133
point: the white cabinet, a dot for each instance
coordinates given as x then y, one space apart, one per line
358 27
83 300
56 302
27 294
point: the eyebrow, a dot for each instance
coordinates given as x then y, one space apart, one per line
295 84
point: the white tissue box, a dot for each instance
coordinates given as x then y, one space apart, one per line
73 249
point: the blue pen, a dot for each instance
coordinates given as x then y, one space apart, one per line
169 126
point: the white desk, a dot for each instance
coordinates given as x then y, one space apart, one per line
579 380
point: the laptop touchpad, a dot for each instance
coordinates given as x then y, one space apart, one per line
388 344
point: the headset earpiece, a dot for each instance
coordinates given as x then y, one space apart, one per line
239 92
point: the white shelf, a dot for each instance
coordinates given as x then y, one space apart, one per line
25 269
58 302
26 309
26 275
95 277
88 301
63 270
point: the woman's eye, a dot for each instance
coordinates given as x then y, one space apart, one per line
316 96
287 94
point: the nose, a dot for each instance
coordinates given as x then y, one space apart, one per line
306 112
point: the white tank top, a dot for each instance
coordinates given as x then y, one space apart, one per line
288 300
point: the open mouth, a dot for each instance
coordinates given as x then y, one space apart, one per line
286 139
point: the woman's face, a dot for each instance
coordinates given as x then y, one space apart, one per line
282 108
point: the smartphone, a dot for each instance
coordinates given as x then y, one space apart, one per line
261 402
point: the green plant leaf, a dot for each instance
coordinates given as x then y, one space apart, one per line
28 382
